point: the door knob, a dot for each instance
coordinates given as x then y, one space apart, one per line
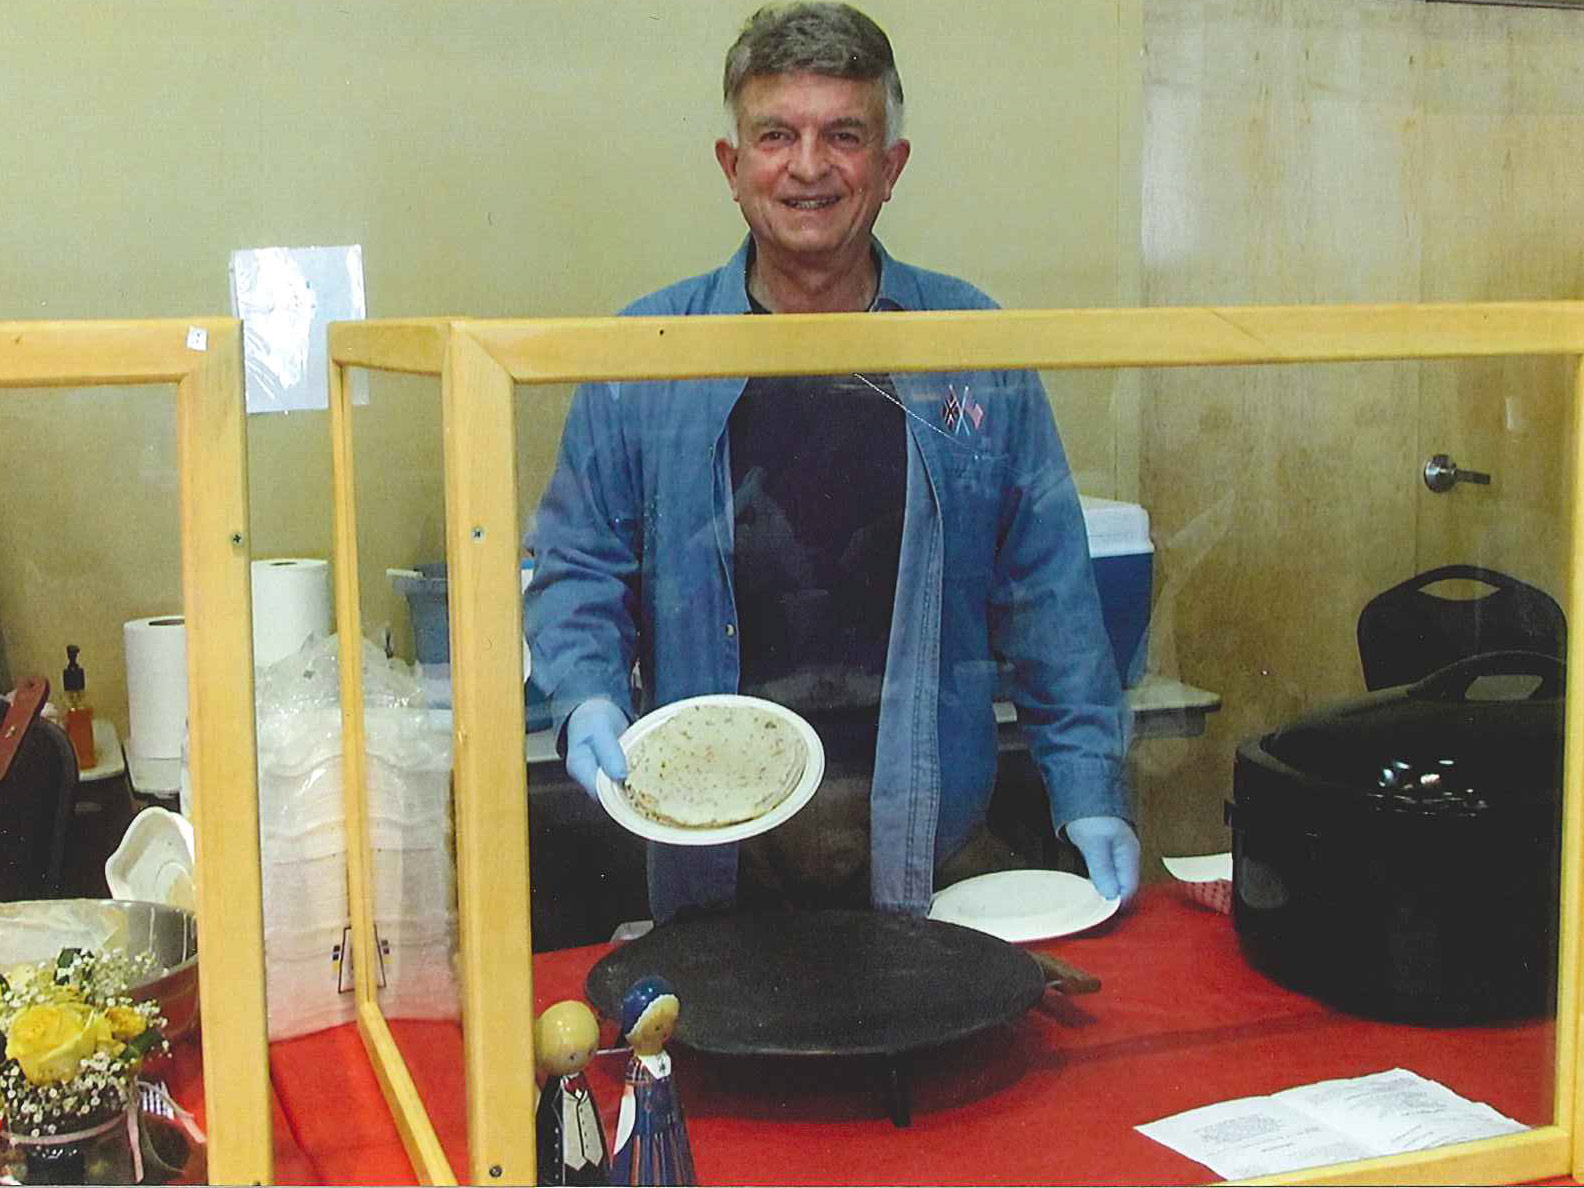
1441 474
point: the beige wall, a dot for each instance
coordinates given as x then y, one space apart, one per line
495 157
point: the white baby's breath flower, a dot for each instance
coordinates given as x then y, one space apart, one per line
104 1083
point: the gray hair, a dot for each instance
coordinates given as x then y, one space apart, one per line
835 40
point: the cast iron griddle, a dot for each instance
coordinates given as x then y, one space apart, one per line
828 983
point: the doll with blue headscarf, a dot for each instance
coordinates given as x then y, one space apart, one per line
651 1136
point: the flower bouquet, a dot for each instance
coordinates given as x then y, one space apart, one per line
74 1042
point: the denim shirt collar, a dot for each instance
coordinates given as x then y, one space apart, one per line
896 292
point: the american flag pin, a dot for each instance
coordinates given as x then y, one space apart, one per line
971 409
961 414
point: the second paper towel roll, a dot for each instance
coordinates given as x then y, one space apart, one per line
291 601
156 669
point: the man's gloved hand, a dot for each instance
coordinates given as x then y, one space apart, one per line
1111 851
591 734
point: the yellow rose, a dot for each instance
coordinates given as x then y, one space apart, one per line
125 1023
50 1042
66 993
103 1037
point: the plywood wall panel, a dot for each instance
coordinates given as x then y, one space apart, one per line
1280 164
1504 141
1308 150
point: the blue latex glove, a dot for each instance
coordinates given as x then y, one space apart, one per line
1111 851
591 734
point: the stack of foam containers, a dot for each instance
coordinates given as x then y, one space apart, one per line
304 848
414 863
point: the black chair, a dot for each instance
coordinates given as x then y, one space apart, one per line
1407 632
38 785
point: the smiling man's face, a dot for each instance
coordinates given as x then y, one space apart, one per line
811 168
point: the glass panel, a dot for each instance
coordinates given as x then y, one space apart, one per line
92 541
587 876
408 727
1395 860
74 574
1505 420
1394 902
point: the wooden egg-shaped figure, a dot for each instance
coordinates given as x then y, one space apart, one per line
651 1132
571 1142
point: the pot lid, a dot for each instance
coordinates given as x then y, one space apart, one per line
1488 726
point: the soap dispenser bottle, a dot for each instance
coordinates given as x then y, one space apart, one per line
79 715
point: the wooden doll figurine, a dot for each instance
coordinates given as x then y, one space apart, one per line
571 1147
651 1136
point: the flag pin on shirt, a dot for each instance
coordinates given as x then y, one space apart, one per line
961 414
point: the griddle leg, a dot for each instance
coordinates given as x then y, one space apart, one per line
898 1092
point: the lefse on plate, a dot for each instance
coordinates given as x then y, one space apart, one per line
714 769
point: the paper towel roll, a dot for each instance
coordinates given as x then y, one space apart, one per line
291 601
156 668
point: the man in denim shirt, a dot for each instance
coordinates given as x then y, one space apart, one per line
872 551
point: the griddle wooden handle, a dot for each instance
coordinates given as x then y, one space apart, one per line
1068 979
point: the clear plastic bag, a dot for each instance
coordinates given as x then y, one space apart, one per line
302 818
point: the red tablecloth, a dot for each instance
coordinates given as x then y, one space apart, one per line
1181 1021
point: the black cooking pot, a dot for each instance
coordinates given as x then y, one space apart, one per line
1397 855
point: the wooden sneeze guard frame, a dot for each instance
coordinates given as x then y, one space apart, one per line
203 358
480 360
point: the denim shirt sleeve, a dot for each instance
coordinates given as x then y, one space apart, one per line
581 610
1045 624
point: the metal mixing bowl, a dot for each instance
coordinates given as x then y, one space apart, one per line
37 929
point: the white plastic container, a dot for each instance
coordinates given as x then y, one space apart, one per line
309 974
308 980
304 850
154 861
408 767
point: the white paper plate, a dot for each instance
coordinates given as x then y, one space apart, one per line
1201 868
635 822
1024 905
154 861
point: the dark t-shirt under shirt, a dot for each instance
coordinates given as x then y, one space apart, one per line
819 478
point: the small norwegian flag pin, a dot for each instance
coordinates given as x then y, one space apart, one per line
961 414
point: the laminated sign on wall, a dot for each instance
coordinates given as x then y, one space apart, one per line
285 298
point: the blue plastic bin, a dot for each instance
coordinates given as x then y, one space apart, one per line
427 603
1124 568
